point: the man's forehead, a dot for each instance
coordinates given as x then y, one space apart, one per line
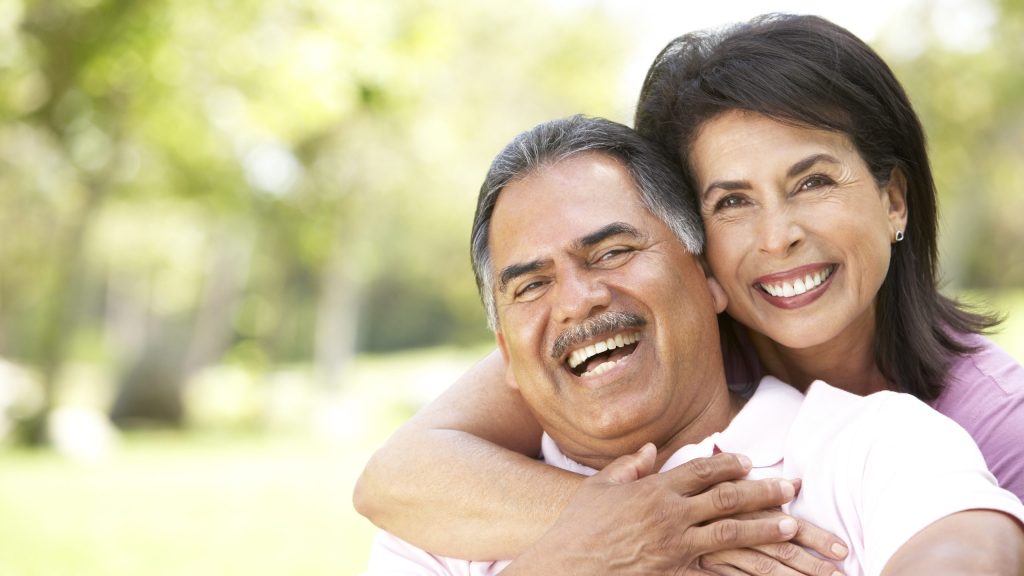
585 191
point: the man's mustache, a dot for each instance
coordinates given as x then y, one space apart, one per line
602 324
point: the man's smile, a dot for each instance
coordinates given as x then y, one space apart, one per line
599 357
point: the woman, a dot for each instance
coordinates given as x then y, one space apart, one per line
810 165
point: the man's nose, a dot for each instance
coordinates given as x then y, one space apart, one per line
579 295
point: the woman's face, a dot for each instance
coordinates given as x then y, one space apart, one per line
798 231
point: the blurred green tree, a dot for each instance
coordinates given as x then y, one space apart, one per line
258 181
963 73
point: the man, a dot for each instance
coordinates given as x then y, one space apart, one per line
585 253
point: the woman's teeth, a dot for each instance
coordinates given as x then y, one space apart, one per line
798 286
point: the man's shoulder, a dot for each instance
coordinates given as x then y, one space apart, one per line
880 468
834 408
833 419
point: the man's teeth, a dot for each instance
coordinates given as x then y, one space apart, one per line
601 368
798 286
581 355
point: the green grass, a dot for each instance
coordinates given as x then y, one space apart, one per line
182 505
250 504
224 503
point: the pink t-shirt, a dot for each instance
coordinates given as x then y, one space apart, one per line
984 393
875 469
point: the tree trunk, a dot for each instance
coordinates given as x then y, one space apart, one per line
336 321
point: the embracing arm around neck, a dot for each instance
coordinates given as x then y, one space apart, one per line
446 477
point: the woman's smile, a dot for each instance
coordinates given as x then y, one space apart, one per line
797 287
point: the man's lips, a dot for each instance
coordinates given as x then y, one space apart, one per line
593 329
599 357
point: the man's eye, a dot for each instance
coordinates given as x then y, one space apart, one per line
613 253
526 289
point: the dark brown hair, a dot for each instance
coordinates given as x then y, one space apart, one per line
807 71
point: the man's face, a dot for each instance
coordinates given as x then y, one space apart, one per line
607 322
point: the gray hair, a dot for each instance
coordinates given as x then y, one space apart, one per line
658 178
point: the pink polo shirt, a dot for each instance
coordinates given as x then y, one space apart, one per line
875 469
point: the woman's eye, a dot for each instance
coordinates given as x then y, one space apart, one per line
730 201
816 181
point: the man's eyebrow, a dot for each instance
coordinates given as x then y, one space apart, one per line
797 168
605 232
513 271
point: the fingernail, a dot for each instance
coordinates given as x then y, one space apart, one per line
787 526
839 551
744 461
837 573
797 483
788 490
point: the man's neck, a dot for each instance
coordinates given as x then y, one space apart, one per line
715 417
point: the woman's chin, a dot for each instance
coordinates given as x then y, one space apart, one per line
795 335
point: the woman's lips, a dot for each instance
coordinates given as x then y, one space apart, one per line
797 287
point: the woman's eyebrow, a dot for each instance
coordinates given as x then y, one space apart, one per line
727 185
805 164
799 167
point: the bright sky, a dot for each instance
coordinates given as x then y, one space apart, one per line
962 24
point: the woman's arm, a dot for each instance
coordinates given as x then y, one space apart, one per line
459 478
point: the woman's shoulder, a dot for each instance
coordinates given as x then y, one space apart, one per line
985 394
989 371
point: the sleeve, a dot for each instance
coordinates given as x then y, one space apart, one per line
985 395
391 556
919 467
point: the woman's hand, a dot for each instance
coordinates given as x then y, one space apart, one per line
793 558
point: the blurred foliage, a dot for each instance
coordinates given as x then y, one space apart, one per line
969 92
208 207
262 181
228 187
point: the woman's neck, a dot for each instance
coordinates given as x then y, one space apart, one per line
847 361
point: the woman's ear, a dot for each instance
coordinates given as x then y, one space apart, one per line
718 296
895 196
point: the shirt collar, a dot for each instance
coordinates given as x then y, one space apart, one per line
759 431
762 426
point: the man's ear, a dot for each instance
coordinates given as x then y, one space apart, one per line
718 296
510 380
895 191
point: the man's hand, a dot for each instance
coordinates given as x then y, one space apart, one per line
782 559
626 520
